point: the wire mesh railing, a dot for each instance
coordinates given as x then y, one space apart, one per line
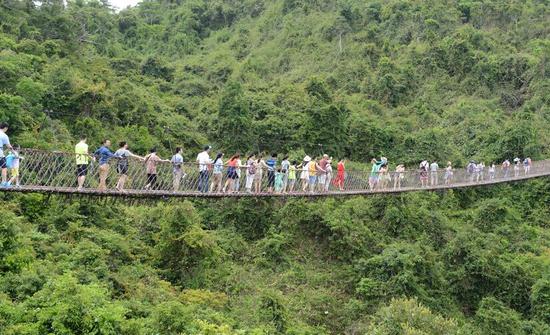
57 172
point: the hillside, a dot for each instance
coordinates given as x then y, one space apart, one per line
410 80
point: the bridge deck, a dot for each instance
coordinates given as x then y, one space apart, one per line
137 193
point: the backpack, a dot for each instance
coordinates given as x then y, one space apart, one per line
252 168
311 168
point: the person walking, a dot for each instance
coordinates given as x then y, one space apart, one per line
271 164
374 176
260 167
12 161
322 173
177 169
304 175
517 164
434 173
492 171
203 159
285 166
82 161
237 183
104 154
449 174
4 143
217 171
292 176
506 168
232 166
123 154
340 175
250 172
328 174
424 167
399 176
151 162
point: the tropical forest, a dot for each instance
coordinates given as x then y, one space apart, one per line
409 80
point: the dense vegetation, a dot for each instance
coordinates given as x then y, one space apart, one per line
409 80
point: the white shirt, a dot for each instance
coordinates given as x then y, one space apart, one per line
434 166
4 140
203 159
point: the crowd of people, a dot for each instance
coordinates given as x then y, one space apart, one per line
258 174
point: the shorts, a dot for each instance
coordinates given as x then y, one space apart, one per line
152 179
312 179
270 178
3 163
81 170
14 172
373 180
122 169
322 178
232 173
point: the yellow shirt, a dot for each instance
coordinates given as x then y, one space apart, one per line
81 151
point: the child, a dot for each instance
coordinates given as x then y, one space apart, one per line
292 176
12 162
279 181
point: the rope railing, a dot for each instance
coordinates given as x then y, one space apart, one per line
46 171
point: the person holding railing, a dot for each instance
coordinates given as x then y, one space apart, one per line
292 176
434 173
374 174
322 173
4 142
492 171
271 165
232 175
123 154
424 166
449 173
12 161
285 166
177 169
217 171
517 164
304 175
340 175
151 161
203 159
260 165
104 155
250 172
527 165
82 161
506 168
398 176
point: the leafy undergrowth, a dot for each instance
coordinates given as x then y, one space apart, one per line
468 262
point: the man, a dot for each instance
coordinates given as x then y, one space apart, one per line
104 155
177 165
203 159
4 142
82 161
321 173
271 164
434 177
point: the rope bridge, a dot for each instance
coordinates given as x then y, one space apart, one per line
55 172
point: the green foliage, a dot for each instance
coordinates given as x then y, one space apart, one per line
496 318
407 316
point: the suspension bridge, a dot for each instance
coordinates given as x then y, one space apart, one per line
55 173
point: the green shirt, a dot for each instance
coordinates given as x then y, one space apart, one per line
81 151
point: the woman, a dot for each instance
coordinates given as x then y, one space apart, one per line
285 166
122 165
328 174
177 169
384 176
250 172
237 185
340 176
492 171
304 176
232 175
374 174
424 175
313 168
260 166
151 161
448 173
399 175
217 173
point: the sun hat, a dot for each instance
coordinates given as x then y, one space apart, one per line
307 159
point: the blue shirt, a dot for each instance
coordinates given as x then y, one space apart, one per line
271 164
4 140
104 155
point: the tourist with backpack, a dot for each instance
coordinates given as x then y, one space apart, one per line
527 165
